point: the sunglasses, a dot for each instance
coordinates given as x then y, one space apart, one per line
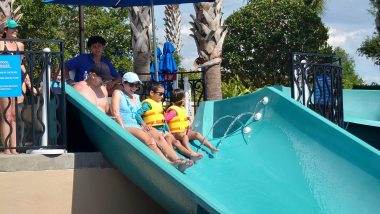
132 84
160 93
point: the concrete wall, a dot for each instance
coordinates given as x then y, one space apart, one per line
70 183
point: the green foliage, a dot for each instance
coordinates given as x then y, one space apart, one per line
233 88
371 49
51 21
262 36
350 78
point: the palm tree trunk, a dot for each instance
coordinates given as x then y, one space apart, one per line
141 25
213 81
173 25
7 12
377 4
209 33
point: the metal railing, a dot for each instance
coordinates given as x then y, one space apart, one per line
39 118
317 84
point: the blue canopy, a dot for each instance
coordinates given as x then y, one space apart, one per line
168 66
152 70
122 3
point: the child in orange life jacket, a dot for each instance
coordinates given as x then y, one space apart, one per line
151 114
179 122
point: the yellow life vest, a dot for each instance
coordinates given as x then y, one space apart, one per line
155 116
179 123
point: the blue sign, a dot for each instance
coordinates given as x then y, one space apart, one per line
10 75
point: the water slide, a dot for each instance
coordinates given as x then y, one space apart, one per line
362 114
276 156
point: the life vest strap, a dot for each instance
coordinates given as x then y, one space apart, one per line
179 128
179 120
155 122
151 113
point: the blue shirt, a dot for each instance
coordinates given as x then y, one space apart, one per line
84 62
128 110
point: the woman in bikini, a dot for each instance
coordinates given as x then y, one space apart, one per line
8 104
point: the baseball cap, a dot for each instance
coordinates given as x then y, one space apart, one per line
102 70
10 23
131 78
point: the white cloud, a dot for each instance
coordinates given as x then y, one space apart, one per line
341 38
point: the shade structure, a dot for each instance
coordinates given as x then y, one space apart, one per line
127 3
122 3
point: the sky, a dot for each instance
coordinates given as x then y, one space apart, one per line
348 21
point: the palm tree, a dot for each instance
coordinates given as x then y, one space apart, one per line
209 33
316 5
377 7
141 25
173 25
7 12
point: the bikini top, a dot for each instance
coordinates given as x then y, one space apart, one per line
7 52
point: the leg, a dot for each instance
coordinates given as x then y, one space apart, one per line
167 149
197 136
161 142
147 140
185 145
8 122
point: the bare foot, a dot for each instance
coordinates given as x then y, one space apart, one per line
183 166
214 150
177 162
14 152
7 152
196 156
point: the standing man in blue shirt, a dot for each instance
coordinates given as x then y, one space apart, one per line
83 63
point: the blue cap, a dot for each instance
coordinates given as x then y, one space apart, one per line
10 23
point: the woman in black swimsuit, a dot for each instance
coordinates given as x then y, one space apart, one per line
7 104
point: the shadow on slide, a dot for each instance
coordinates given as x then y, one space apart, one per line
275 157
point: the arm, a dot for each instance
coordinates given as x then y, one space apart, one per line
169 116
26 85
115 107
144 108
107 106
111 85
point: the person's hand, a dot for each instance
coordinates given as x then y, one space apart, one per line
146 127
110 85
70 82
27 82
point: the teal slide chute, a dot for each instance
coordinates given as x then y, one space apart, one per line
278 157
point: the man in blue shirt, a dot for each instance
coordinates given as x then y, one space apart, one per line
83 63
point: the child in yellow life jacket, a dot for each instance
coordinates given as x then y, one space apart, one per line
179 122
151 115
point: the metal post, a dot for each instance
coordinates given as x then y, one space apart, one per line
154 41
81 29
45 109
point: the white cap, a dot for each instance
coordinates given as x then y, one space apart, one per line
131 77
